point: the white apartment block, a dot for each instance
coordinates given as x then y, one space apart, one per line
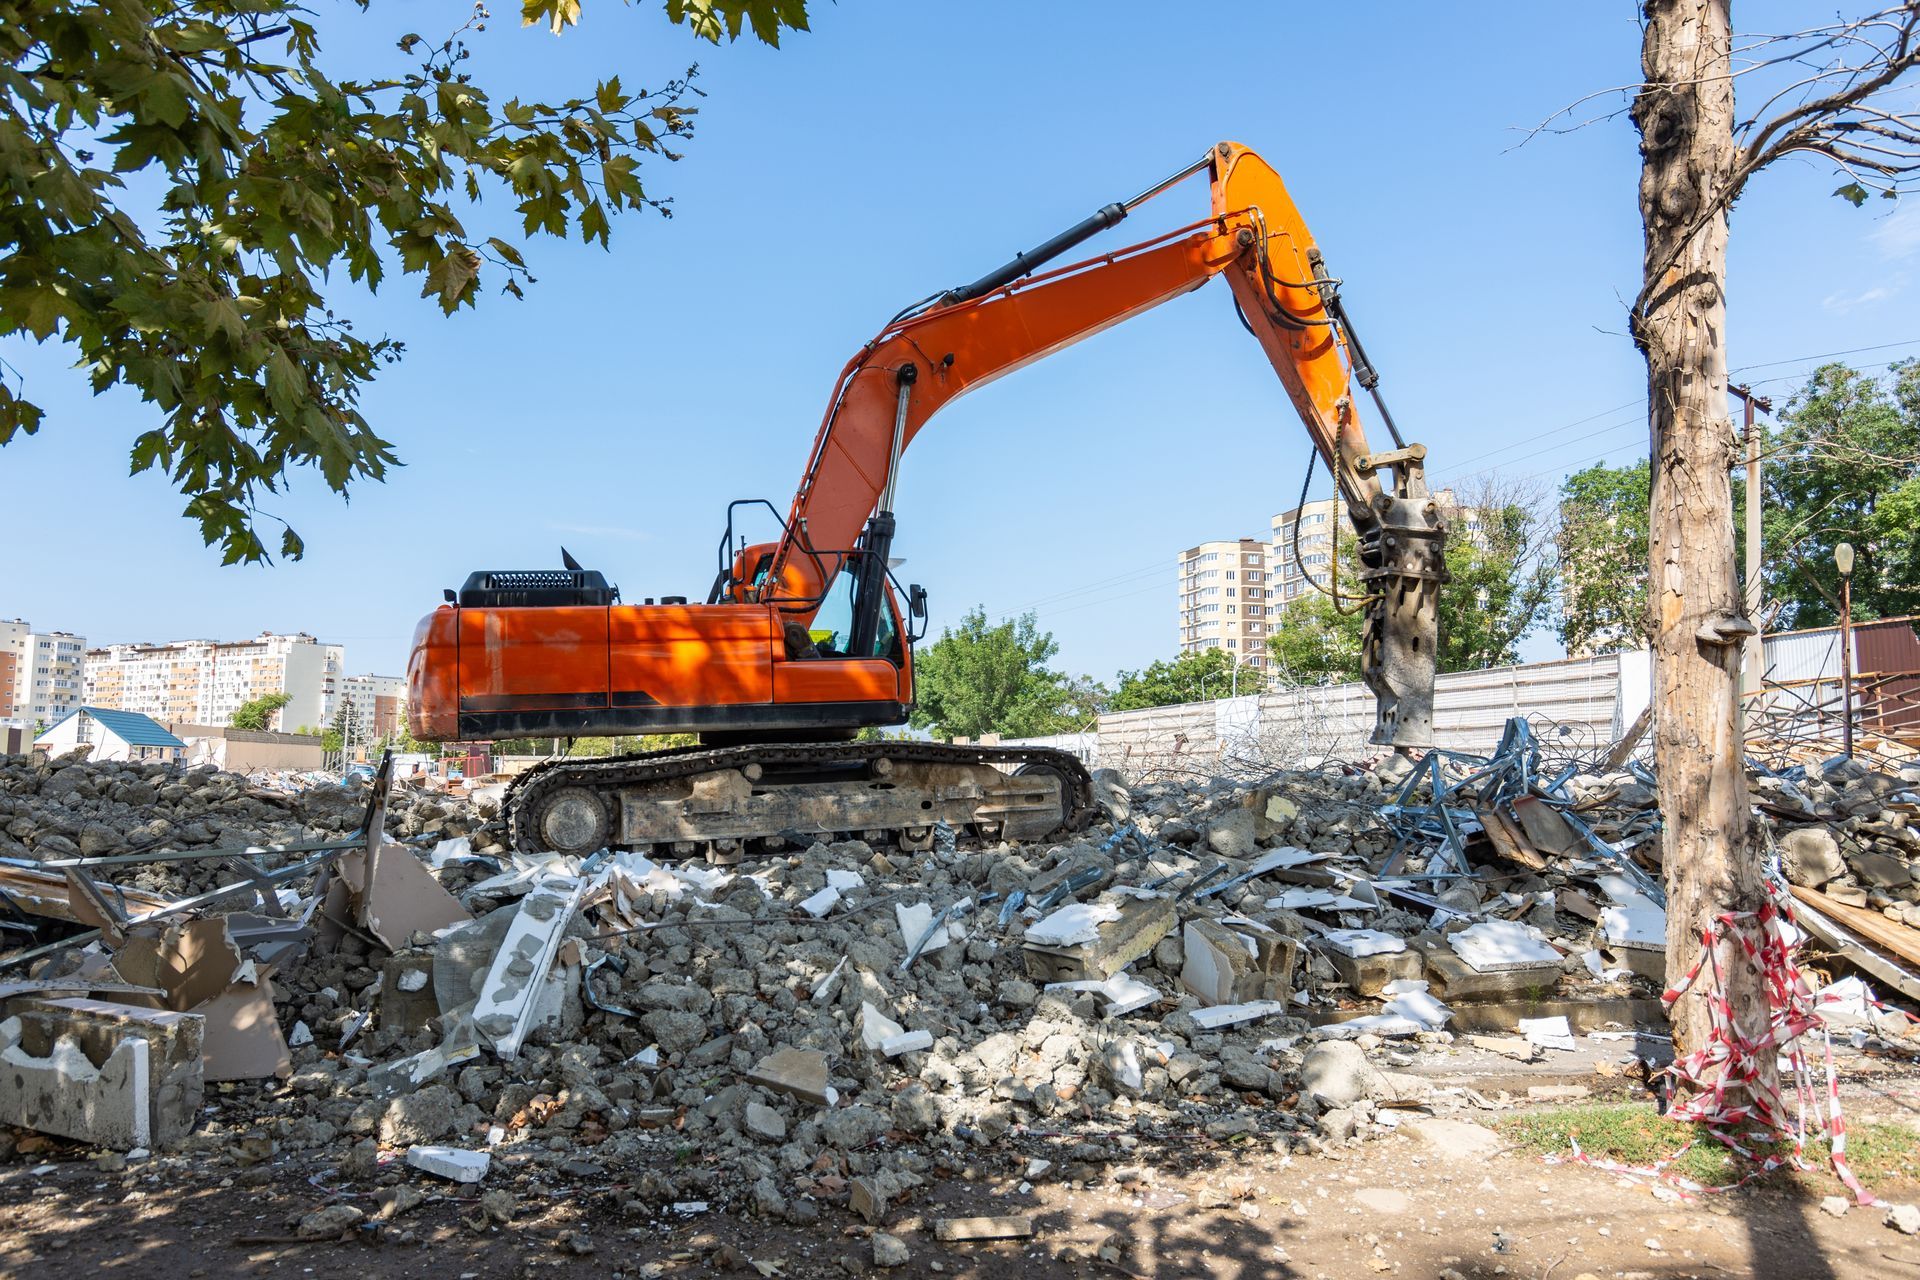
1224 599
375 706
1317 522
47 671
206 681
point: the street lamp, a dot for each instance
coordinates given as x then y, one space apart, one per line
1843 561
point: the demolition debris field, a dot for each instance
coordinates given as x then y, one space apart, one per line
252 1024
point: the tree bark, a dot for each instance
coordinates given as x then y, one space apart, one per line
1684 112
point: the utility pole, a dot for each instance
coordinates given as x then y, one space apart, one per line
1754 662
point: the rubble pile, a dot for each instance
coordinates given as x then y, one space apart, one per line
70 807
835 1026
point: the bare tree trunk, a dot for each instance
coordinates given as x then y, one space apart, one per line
1685 116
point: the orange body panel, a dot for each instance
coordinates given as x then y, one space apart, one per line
533 658
692 655
837 680
433 676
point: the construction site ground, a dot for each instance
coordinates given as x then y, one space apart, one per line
1464 1200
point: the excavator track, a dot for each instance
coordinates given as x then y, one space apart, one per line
722 801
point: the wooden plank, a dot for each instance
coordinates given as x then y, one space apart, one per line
1871 925
1508 841
1848 946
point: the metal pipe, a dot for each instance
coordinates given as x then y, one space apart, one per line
1164 183
906 376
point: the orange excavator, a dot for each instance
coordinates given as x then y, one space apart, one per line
801 642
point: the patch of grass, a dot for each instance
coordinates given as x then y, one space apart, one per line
1879 1152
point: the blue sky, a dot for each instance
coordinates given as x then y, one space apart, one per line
898 149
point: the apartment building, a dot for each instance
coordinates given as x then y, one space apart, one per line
206 681
1224 599
375 706
47 674
1317 522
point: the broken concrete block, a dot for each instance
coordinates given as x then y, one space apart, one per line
1810 856
865 1198
62 1093
407 1001
955 1230
1370 975
176 1080
764 1122
1458 980
1880 870
799 1072
456 1163
1338 1073
1235 965
889 1251
1136 924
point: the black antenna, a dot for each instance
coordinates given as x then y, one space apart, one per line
567 561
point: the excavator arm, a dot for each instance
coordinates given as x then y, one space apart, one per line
842 514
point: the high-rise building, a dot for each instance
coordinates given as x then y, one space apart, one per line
375 706
206 681
48 673
1317 523
1223 599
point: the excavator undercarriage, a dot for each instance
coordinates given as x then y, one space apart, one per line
725 802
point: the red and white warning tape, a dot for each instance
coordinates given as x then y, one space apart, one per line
1728 1065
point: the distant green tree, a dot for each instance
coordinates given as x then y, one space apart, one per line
1843 465
1603 558
193 185
1190 677
1501 574
259 713
1312 642
979 678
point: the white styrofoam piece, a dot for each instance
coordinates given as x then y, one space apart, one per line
820 903
844 881
1072 925
1421 1007
1360 943
1548 1033
907 1042
1228 1015
1493 945
913 921
876 1028
1123 992
1378 1024
457 1163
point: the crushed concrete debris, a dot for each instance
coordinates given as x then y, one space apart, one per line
831 1026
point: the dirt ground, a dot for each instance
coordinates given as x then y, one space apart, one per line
1452 1200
